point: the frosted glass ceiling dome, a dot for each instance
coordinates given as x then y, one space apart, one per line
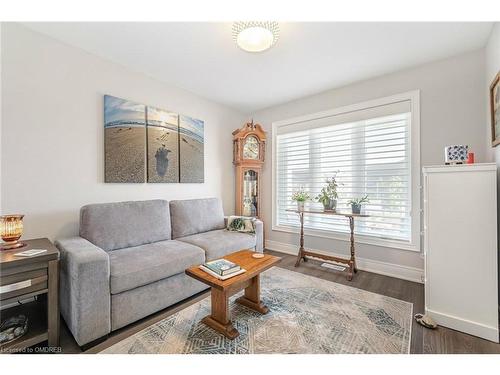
255 36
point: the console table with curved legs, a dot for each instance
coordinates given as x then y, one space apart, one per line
303 253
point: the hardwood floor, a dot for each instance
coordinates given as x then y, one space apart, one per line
441 340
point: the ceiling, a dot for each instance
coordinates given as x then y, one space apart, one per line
307 59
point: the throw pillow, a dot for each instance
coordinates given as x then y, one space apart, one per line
241 224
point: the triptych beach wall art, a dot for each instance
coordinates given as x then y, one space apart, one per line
124 140
162 145
144 142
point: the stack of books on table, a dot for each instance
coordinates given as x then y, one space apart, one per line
222 269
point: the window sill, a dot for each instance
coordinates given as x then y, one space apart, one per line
394 244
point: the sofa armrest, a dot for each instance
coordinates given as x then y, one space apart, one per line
84 289
259 236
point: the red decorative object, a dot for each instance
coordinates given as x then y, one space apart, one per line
470 158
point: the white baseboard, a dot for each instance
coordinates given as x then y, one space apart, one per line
370 265
463 325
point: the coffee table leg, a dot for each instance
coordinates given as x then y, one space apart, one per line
220 319
251 299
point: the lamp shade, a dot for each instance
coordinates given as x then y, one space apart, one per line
11 230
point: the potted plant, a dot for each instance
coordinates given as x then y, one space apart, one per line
328 195
356 204
300 196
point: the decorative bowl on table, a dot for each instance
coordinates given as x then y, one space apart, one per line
13 328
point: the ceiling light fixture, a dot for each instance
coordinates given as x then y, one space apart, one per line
254 36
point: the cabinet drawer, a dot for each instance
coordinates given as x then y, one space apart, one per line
17 277
8 271
21 287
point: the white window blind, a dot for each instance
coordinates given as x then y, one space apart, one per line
369 152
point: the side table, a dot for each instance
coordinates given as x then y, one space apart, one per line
303 253
25 277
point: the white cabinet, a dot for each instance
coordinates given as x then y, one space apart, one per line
460 247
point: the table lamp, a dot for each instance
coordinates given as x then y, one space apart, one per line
11 230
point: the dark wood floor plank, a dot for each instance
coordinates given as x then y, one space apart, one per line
441 340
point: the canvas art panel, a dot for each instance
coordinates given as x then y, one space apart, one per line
495 110
142 140
163 145
124 140
191 149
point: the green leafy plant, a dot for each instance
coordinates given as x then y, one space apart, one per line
329 192
301 195
359 201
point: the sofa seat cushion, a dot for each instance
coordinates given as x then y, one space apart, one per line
218 243
140 265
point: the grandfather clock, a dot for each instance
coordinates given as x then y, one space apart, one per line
249 145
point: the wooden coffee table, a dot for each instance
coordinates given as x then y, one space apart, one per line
220 318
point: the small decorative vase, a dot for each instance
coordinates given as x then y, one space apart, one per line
333 205
356 209
326 204
330 205
300 206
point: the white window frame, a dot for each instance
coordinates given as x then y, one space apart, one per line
415 177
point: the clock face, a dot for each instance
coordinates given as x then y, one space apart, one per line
251 148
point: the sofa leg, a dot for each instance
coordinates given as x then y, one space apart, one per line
91 344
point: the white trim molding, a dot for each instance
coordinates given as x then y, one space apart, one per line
464 325
383 268
339 236
415 174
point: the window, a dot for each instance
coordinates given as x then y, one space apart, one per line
371 148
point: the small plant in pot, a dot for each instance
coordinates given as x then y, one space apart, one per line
356 204
328 195
300 196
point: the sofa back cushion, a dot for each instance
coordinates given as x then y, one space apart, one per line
196 216
112 226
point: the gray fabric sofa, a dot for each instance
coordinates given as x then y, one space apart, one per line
130 258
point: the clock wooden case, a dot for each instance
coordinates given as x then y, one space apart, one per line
249 145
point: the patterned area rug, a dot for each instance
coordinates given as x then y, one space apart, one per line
307 315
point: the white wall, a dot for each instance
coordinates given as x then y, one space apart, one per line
1 25
452 112
492 56
492 67
52 146
52 131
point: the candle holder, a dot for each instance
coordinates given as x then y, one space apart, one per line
11 230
